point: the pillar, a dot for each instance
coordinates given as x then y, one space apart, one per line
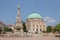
42 27
38 29
35 29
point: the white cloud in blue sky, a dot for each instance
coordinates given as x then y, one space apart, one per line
49 19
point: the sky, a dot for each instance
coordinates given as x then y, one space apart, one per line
48 9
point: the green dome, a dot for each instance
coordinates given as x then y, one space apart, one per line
34 15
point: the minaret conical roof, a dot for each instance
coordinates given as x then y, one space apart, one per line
18 5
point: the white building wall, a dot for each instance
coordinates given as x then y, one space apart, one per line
33 29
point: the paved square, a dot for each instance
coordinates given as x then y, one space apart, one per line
34 37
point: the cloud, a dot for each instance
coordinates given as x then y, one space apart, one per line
49 19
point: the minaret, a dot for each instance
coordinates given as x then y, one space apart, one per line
18 20
18 25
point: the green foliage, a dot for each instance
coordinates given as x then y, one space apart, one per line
58 27
24 27
49 29
54 30
0 30
6 29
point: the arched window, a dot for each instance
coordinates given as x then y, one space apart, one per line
40 30
36 29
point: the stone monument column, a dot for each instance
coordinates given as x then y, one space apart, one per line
18 25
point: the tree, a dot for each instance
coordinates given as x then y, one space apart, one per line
54 30
24 27
6 29
49 29
58 27
0 30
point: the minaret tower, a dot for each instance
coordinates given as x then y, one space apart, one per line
18 20
18 25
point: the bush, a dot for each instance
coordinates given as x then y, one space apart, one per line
6 29
49 29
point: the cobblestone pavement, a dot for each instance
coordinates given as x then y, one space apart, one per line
34 37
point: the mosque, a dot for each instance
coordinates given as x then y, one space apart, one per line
34 23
